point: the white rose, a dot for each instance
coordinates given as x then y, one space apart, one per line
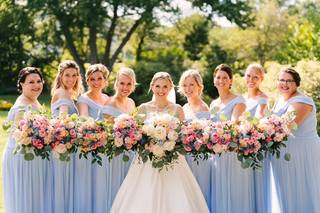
217 148
118 142
157 151
160 133
169 145
148 129
173 136
60 148
25 141
70 125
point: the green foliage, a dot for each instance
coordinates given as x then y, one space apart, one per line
302 42
196 39
238 11
15 28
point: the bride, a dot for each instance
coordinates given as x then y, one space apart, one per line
148 190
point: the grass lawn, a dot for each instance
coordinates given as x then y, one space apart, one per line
3 140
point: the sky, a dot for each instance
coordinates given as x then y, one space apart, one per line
187 10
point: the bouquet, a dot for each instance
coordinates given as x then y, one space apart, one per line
126 134
64 134
249 139
33 136
194 136
160 135
223 137
276 131
93 137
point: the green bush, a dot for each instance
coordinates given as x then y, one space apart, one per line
5 105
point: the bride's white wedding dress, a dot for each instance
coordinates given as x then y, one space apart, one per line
148 190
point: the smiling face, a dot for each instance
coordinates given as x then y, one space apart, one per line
161 88
222 81
253 78
124 86
190 87
32 86
69 78
96 81
286 84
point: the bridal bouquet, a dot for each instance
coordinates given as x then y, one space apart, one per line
92 137
160 135
223 137
126 134
63 134
276 131
194 136
33 136
249 139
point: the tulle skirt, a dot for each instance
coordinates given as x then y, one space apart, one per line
83 185
101 186
27 185
233 186
262 187
63 174
203 171
149 190
118 171
298 180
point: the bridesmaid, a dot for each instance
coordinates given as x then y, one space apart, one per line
233 187
27 184
297 181
256 102
191 86
65 89
92 184
120 103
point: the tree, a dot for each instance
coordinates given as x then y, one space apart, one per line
302 42
96 30
196 39
237 11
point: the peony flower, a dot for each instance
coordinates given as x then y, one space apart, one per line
160 133
60 148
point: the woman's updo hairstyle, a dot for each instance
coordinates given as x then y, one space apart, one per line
24 73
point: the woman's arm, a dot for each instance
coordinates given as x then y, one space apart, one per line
83 109
237 111
302 111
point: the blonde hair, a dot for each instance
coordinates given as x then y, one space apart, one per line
57 83
127 72
161 75
97 68
195 75
256 67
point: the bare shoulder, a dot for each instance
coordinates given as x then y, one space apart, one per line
59 94
263 95
143 106
203 107
178 107
131 102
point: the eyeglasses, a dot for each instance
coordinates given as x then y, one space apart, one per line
283 81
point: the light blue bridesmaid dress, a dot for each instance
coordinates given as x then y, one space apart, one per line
262 178
298 180
92 185
27 185
203 170
118 168
63 172
233 186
